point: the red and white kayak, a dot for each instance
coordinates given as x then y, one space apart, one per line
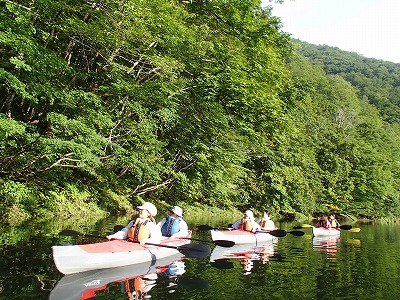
322 231
241 236
71 259
85 285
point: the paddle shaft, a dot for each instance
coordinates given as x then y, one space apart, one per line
222 243
343 227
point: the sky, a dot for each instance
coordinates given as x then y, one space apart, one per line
368 27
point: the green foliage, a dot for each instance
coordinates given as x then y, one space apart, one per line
106 103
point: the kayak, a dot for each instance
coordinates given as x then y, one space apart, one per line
322 231
71 259
84 285
241 236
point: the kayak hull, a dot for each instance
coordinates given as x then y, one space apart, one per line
321 231
71 259
241 236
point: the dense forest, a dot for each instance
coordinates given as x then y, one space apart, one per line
202 102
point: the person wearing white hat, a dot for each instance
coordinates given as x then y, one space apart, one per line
143 229
174 225
247 223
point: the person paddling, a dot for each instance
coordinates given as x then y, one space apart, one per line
174 225
266 223
143 229
323 222
334 222
247 222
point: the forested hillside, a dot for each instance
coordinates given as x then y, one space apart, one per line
106 103
378 81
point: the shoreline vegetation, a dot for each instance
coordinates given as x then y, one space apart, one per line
81 214
105 104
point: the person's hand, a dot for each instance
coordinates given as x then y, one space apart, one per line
108 237
143 242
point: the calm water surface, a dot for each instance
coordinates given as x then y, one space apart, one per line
363 265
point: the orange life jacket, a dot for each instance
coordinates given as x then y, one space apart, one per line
246 225
138 285
139 231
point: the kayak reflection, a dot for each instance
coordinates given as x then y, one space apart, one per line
327 244
136 280
139 286
247 254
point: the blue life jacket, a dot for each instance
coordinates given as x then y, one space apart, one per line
171 226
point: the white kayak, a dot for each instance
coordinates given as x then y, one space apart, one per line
322 231
241 236
71 259
84 285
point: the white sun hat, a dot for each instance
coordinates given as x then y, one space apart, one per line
149 207
177 210
249 213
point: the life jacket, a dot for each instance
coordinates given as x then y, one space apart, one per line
139 231
246 225
171 226
138 286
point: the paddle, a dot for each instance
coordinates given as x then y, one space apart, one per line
343 227
222 243
189 250
275 233
76 233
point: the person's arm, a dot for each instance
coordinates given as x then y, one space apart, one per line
236 224
122 234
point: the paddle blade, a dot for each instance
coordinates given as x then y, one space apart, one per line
297 227
222 264
118 228
195 250
193 283
204 227
70 233
307 226
345 227
223 243
355 230
277 233
297 232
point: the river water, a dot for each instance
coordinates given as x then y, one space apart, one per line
357 265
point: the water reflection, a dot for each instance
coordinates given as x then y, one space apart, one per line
327 244
136 280
247 254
